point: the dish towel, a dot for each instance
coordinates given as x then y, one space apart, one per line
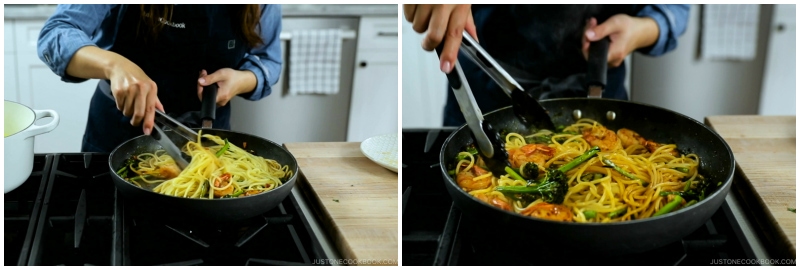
730 32
315 59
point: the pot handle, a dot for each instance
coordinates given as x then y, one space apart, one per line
37 129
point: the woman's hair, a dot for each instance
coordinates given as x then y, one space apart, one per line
249 20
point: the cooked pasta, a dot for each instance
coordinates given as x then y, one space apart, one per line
629 178
222 170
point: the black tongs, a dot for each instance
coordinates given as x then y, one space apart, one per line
162 119
488 141
186 134
525 106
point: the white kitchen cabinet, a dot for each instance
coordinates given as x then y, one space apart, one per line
10 78
8 36
373 110
424 85
39 88
778 91
373 106
10 63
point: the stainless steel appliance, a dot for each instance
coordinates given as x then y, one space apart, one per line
302 118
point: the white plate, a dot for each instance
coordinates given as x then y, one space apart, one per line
382 150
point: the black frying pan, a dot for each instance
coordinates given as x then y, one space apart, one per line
657 124
216 210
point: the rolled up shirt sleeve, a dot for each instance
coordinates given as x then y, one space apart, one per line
672 21
70 28
265 60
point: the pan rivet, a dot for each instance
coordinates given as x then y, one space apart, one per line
576 114
611 115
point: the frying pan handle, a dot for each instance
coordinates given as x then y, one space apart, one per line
209 107
597 67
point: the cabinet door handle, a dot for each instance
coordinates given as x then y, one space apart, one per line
387 34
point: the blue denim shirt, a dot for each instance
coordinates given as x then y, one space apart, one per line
671 20
75 26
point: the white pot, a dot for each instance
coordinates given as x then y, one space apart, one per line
19 129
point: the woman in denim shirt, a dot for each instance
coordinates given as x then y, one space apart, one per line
545 46
159 57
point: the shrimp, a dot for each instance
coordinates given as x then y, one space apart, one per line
601 137
630 137
168 171
221 181
536 153
548 211
497 202
252 192
653 146
466 179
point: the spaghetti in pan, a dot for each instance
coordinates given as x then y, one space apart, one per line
585 173
222 170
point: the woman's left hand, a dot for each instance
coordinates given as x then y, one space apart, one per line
231 82
626 33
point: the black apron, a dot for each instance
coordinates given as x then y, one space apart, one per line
197 37
540 46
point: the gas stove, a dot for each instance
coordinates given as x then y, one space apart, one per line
69 213
436 233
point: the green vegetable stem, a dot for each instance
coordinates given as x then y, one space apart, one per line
623 172
670 206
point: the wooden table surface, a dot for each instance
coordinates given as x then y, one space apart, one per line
354 198
765 152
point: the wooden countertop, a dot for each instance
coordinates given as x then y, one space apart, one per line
354 198
765 151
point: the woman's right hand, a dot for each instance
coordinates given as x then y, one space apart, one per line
135 93
442 22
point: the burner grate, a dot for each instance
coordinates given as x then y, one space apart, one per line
75 216
21 212
252 242
269 239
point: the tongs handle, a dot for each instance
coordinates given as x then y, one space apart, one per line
166 121
469 107
473 51
488 141
525 106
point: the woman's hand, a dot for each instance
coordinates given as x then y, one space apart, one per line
135 93
626 33
442 22
231 82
